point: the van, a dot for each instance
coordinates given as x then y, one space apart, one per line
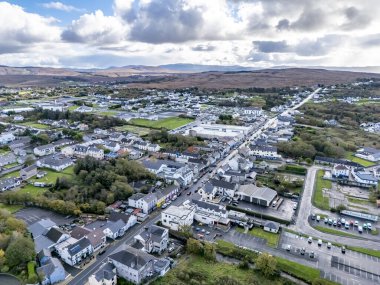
360 229
318 218
310 240
274 204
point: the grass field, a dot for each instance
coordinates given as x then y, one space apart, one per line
334 232
197 270
12 174
35 125
271 238
298 270
168 123
141 131
10 165
358 201
11 208
319 200
74 107
365 163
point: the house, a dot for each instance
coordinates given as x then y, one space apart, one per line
166 194
144 202
9 183
272 227
266 152
116 137
176 217
28 172
223 187
210 213
50 269
105 275
208 191
133 265
369 153
7 159
112 146
340 171
74 251
135 154
46 235
366 178
6 138
254 111
96 237
55 162
153 239
18 118
44 150
258 195
118 224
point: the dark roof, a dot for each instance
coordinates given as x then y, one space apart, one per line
54 234
115 216
105 272
79 232
209 206
337 161
223 184
132 257
78 246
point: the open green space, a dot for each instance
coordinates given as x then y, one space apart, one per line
167 123
74 107
11 208
197 270
319 200
11 165
271 238
358 201
372 252
12 174
35 125
141 131
298 270
365 163
334 232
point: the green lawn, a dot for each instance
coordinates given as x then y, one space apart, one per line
168 123
35 125
12 174
74 107
197 270
11 208
271 238
141 131
298 270
11 165
334 232
372 252
358 201
352 157
319 200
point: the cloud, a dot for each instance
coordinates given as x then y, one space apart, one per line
95 28
271 46
60 6
202 47
19 29
355 19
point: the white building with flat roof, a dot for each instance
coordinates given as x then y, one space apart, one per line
176 217
218 130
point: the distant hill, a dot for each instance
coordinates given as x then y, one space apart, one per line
182 75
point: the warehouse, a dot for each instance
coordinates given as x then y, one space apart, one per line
257 195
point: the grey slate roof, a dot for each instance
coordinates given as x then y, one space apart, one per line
223 184
105 272
78 246
132 257
208 206
54 234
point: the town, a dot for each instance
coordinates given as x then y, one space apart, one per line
112 186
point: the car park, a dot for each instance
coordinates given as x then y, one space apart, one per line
343 221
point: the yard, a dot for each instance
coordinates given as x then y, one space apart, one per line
365 163
319 200
197 270
35 125
167 123
141 131
271 238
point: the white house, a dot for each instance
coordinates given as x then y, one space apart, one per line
210 213
9 183
267 152
272 227
118 224
44 150
105 275
144 202
54 162
369 153
176 217
224 188
341 171
153 239
73 251
6 138
254 111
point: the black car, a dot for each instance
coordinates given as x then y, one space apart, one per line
188 193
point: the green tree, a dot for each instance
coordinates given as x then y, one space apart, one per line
209 251
267 264
20 251
194 246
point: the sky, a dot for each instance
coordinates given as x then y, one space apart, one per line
256 33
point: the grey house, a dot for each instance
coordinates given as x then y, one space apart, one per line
28 172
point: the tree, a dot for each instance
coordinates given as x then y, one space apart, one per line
185 231
209 251
267 264
20 251
194 246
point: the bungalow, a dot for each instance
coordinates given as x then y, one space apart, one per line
28 172
6 159
44 150
9 183
153 239
369 153
55 162
272 227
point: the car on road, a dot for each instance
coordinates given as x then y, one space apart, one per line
303 251
310 240
188 193
329 245
311 254
288 247
102 251
207 233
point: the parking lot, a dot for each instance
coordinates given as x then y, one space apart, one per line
350 265
32 215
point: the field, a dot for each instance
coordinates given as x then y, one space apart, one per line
168 123
271 238
35 125
141 131
10 208
319 200
365 163
196 270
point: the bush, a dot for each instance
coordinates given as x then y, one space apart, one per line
4 269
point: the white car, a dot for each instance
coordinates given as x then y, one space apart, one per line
310 240
369 226
319 242
329 245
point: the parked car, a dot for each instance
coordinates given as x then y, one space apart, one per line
329 245
311 254
318 218
360 229
343 221
313 217
310 240
356 224
188 193
369 226
343 249
319 242
289 247
330 222
365 226
303 251
335 222
326 220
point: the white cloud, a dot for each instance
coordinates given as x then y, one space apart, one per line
60 6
